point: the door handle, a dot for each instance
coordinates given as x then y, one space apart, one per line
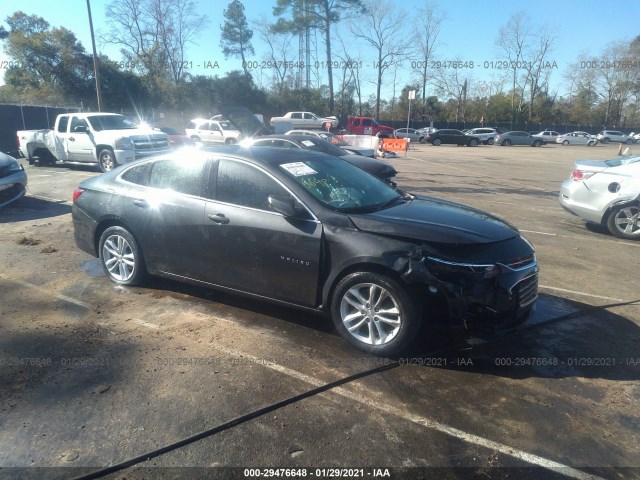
218 218
72 139
140 203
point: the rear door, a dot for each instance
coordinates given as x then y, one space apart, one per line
166 213
250 247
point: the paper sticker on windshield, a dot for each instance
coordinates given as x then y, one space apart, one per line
298 169
307 143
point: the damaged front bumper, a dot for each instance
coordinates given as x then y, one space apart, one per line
481 298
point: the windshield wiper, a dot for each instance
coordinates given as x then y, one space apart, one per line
389 203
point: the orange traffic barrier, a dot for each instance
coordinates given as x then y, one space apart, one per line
395 144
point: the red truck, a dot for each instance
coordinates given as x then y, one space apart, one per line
366 126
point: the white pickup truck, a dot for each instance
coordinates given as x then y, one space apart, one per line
305 120
107 139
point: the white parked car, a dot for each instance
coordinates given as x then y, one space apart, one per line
206 131
487 135
577 138
607 136
549 136
336 140
305 120
606 192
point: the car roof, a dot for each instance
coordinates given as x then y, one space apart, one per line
260 155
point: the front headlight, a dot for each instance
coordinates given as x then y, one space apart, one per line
443 268
124 143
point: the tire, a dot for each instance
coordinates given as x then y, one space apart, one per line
565 142
107 160
121 257
605 140
422 140
628 141
490 141
506 143
624 222
437 142
473 142
31 160
591 144
353 307
537 143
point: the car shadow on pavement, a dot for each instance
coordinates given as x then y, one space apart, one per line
32 208
563 338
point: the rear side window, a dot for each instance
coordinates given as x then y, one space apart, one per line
138 174
62 124
184 176
244 185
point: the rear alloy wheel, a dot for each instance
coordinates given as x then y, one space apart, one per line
473 142
566 142
121 257
437 142
490 141
506 143
106 160
374 313
624 222
537 143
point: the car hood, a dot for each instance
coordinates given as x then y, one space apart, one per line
432 220
244 120
375 167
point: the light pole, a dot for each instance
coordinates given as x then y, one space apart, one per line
95 59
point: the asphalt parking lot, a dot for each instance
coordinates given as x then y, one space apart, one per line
93 375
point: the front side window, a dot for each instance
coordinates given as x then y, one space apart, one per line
241 184
78 122
184 176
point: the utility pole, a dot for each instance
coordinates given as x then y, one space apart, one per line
95 59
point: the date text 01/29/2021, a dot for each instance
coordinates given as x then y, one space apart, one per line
304 472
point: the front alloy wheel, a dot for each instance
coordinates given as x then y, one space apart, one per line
624 222
374 313
121 257
107 160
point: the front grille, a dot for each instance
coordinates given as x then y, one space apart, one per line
150 144
526 291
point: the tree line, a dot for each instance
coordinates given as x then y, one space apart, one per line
308 64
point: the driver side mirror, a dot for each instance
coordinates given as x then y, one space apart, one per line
284 205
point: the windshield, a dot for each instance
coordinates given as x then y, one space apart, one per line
110 122
330 137
322 146
341 186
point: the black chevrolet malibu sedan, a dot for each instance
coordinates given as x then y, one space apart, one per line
299 228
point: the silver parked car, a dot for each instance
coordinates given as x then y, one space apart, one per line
410 133
13 180
606 136
606 192
577 138
519 138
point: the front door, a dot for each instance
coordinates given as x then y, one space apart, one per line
252 248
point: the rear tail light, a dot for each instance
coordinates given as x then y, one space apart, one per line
76 194
580 175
